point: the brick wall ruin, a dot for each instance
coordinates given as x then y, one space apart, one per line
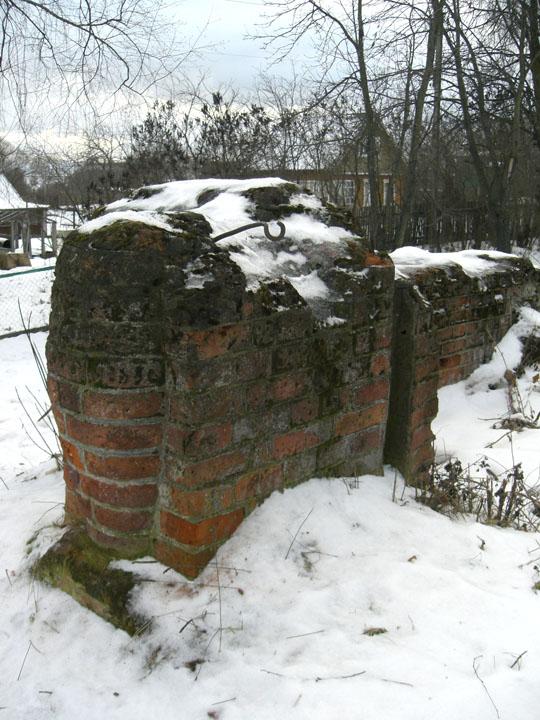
187 388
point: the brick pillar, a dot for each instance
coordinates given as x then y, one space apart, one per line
413 393
106 382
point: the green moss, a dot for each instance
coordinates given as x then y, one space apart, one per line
536 587
79 567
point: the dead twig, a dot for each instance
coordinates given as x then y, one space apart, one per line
484 684
30 645
513 665
297 532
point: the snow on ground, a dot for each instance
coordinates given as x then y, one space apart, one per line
29 290
483 400
279 628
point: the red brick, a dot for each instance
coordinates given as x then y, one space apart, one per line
176 437
115 437
189 564
213 469
420 436
425 391
126 406
260 483
134 467
450 362
424 413
66 366
208 407
206 532
371 392
450 376
76 506
354 421
64 394
380 364
208 440
215 342
452 346
258 395
294 442
424 368
423 454
71 477
122 521
191 503
304 411
124 545
124 495
289 386
60 419
73 455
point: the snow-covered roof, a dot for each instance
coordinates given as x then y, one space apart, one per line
10 198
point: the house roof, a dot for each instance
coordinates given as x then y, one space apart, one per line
10 198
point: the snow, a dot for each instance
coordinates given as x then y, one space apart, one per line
455 597
225 209
474 263
10 198
483 399
31 292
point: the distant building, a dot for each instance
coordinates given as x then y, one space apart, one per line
19 220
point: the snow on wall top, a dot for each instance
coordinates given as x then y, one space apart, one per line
226 205
475 263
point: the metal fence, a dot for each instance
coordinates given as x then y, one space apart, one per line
25 301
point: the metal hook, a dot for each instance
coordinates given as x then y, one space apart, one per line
264 225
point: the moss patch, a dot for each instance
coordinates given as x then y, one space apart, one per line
77 566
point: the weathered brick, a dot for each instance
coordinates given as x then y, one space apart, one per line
212 470
289 386
380 364
71 477
191 503
217 341
122 520
64 394
369 393
126 373
132 545
126 406
420 436
114 437
208 440
304 410
206 532
259 483
189 564
72 454
361 419
77 506
294 442
124 495
134 467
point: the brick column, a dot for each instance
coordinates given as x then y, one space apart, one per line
106 382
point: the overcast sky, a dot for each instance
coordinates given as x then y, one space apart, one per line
218 28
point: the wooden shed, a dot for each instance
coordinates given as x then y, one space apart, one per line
19 220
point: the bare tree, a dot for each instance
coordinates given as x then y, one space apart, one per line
65 50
